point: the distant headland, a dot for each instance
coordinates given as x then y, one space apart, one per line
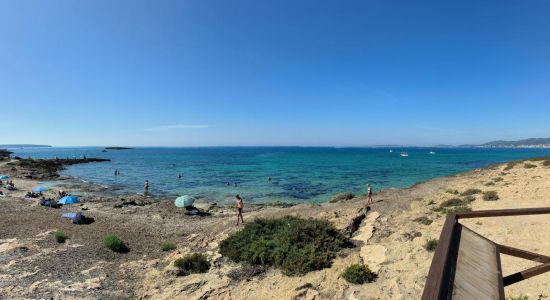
23 146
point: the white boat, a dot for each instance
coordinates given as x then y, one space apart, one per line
404 154
432 152
391 150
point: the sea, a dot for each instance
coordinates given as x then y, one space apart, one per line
270 174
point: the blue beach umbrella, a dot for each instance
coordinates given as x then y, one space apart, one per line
69 200
184 201
4 177
40 189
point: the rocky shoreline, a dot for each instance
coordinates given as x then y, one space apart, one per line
390 238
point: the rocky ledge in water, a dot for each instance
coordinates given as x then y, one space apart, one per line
44 168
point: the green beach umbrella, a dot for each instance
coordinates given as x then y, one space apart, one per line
184 201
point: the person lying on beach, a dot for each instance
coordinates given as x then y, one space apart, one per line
240 207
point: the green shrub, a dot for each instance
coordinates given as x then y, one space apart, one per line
450 191
192 263
431 244
167 246
112 242
490 183
342 197
490 196
60 236
470 192
546 162
469 198
511 164
423 220
358 274
452 202
294 245
520 297
529 166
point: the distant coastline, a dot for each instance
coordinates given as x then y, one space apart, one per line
7 146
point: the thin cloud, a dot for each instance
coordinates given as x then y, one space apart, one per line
177 126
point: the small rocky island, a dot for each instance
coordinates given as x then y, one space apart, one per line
118 148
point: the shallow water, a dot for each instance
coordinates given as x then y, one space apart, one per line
298 174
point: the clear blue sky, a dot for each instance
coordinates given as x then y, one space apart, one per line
342 73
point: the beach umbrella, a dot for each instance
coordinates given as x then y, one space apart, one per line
69 200
4 177
40 189
184 201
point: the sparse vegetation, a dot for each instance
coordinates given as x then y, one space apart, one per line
342 197
497 179
294 245
60 236
453 192
520 297
167 246
546 162
358 274
490 196
114 243
246 272
511 165
423 220
469 198
529 166
490 183
470 192
191 264
452 202
431 202
431 244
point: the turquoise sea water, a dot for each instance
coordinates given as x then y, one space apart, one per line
298 174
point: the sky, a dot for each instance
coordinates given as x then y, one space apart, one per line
307 73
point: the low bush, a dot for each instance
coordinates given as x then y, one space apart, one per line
469 198
546 162
490 183
114 243
342 197
167 246
529 166
490 196
294 245
423 220
191 264
520 297
431 244
358 274
60 236
498 179
452 202
470 192
511 164
450 191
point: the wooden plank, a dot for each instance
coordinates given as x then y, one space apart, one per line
439 276
504 212
523 254
500 274
519 276
477 271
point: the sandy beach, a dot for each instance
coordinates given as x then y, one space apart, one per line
390 240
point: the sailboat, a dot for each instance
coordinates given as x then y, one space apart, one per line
391 150
432 152
404 154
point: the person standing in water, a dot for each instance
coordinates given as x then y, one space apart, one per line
369 194
179 176
146 187
240 206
